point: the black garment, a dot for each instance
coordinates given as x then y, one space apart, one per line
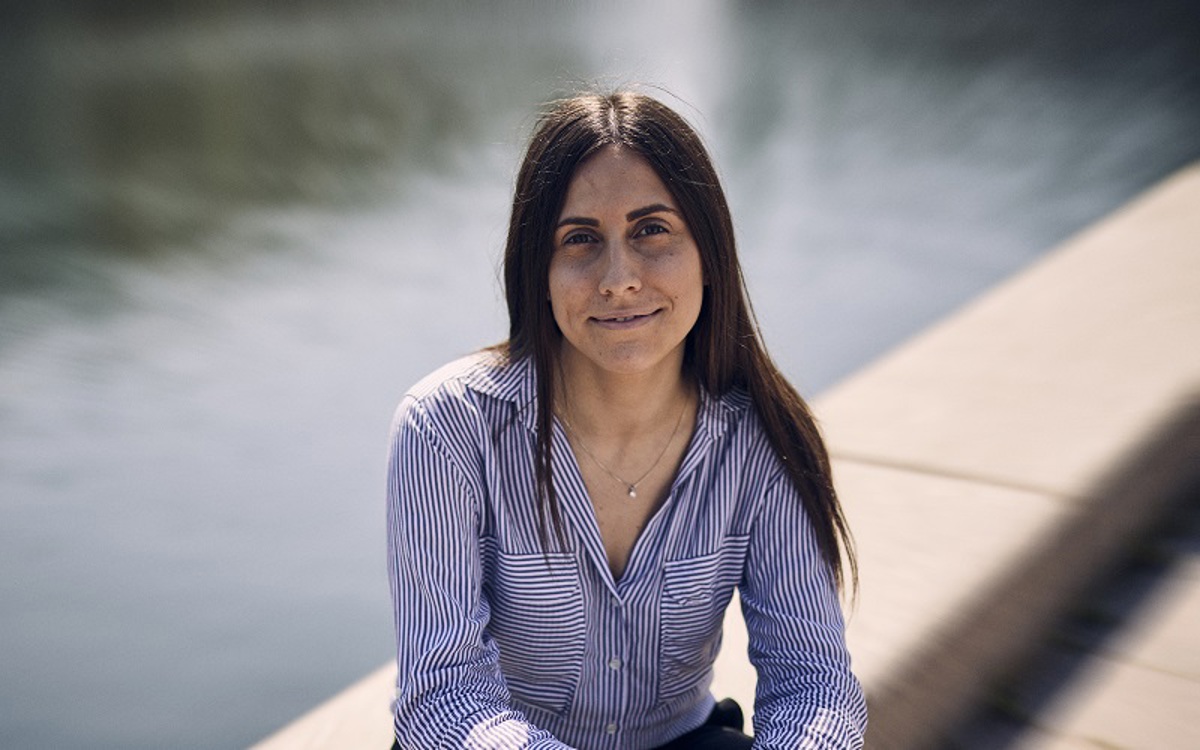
722 731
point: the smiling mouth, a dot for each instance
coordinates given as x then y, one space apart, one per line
623 320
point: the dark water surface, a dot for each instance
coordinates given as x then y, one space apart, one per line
228 242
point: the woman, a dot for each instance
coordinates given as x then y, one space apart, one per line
569 512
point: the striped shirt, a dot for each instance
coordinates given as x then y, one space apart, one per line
503 644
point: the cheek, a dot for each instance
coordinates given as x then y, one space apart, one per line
558 296
689 282
567 281
560 315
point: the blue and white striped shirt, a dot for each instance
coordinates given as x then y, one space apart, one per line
501 644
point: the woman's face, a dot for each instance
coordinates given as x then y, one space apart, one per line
625 278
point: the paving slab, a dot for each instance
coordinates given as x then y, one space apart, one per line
1143 616
1039 740
1166 634
933 548
1123 705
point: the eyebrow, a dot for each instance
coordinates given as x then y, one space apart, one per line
579 220
633 215
653 208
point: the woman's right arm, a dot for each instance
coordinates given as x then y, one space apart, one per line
450 692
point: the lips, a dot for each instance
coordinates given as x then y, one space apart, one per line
624 319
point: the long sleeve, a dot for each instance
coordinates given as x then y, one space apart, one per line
450 690
807 696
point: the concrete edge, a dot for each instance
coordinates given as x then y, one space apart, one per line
940 682
357 717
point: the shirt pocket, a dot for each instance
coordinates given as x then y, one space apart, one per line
696 592
537 620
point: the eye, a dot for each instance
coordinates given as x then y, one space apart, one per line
578 238
651 228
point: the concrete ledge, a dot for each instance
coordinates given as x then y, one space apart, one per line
963 586
358 717
993 465
990 468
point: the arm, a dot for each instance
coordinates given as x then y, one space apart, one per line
450 692
806 696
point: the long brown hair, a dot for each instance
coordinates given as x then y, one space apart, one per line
724 349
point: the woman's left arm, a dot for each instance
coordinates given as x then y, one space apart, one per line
807 696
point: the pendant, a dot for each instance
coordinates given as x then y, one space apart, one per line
632 491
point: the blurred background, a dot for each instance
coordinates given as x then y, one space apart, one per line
232 234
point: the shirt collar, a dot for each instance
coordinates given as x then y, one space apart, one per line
515 381
512 380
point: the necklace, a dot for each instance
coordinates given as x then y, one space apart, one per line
630 487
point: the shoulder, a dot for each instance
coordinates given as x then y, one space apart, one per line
454 377
454 392
485 373
741 452
733 420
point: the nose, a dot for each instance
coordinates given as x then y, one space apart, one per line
621 272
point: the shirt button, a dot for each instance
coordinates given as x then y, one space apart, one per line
614 663
611 728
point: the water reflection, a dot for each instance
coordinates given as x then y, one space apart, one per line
156 133
229 240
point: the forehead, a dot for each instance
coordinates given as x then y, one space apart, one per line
614 178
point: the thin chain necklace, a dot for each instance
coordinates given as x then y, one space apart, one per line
630 487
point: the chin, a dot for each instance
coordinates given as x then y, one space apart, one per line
625 358
637 363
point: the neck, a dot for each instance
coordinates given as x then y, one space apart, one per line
619 405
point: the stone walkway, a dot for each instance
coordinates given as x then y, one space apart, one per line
1123 671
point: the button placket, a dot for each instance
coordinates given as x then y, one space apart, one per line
615 662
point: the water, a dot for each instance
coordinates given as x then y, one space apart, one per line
228 242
